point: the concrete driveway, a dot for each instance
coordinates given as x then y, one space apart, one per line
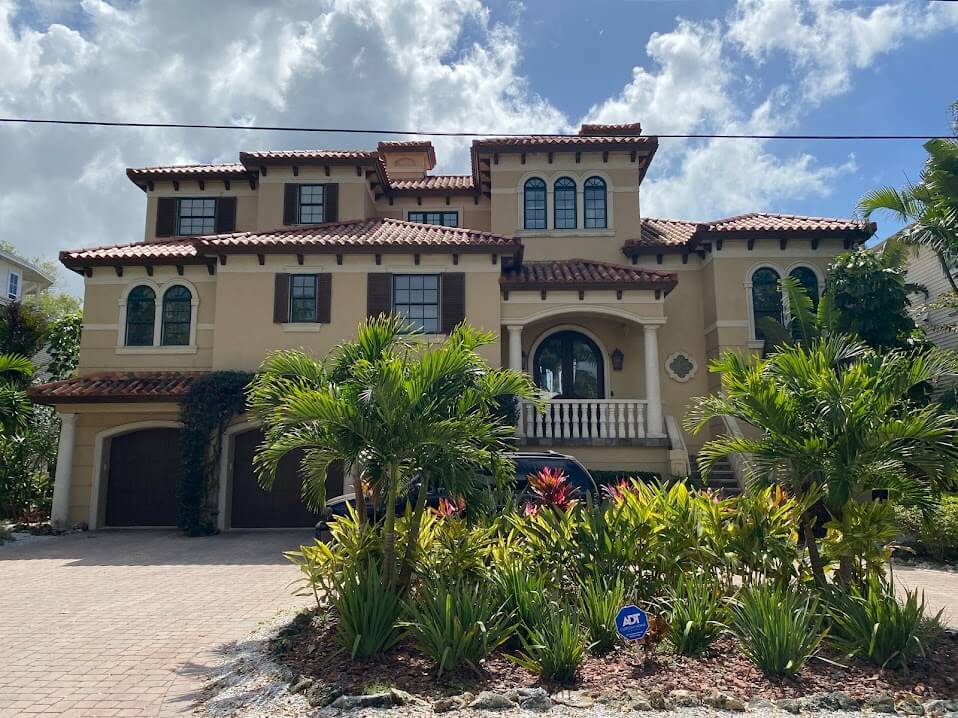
125 623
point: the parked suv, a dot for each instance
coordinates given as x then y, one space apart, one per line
526 463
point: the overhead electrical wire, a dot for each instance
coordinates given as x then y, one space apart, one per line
441 133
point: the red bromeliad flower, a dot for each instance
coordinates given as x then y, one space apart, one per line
551 487
617 492
450 508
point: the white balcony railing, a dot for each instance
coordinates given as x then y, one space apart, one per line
583 419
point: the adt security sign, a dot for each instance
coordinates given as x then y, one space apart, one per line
631 622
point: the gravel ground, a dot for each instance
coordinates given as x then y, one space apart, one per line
249 684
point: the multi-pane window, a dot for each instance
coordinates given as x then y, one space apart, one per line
312 204
177 310
13 286
594 203
140 316
766 298
563 203
195 216
416 297
534 204
446 219
302 298
809 280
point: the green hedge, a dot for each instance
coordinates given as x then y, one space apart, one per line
935 535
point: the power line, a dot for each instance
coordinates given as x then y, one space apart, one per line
441 133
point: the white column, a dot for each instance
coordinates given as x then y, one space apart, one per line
515 346
60 513
653 391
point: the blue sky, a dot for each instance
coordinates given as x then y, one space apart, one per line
765 66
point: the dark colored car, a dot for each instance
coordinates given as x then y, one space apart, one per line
526 462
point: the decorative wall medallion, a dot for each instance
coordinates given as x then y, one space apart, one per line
681 367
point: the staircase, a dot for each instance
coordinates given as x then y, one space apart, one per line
722 478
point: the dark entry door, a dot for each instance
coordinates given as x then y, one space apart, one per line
280 507
141 484
569 364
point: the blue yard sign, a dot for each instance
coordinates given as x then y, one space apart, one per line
631 622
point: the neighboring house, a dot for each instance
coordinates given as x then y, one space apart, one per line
615 315
20 280
924 268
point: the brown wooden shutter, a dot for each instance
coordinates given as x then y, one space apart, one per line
324 297
281 299
452 300
331 209
290 204
225 215
165 216
379 287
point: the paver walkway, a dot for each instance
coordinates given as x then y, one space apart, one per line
940 588
125 623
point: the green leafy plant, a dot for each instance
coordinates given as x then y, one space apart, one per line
367 614
876 625
457 623
556 646
695 613
599 601
778 628
524 590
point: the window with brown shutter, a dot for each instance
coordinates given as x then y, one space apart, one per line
332 202
378 294
225 215
452 307
324 297
290 203
281 299
165 216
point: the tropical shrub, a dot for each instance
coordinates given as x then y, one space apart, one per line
556 646
456 550
874 624
552 489
524 591
695 613
861 538
458 623
761 535
935 533
599 601
778 628
367 614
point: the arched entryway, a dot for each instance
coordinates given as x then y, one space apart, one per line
569 365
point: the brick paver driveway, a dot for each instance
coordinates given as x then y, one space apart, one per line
125 623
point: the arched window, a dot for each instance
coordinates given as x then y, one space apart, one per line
569 365
809 280
766 298
563 203
140 316
594 198
177 309
534 203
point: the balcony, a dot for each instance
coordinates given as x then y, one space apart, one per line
598 422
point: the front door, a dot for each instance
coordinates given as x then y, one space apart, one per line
568 365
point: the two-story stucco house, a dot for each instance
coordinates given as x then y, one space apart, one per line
615 315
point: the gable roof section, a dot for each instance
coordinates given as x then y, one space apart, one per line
358 236
435 183
584 274
115 386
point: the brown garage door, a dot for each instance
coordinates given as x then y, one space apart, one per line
280 507
141 485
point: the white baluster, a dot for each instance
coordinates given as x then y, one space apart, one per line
610 419
529 416
577 419
630 420
640 433
621 413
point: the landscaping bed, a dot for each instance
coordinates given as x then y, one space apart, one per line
308 648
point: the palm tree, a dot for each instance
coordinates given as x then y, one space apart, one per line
834 418
15 407
402 409
930 207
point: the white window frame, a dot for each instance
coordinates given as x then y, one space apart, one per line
159 290
16 294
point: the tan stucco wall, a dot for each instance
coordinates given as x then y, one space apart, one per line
247 202
472 215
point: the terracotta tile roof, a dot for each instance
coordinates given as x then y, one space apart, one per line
186 171
140 252
630 128
491 143
665 232
584 274
380 234
410 145
316 155
460 183
115 386
767 222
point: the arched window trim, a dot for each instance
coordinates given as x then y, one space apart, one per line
603 349
585 202
750 298
125 328
165 322
819 275
159 290
545 203
555 202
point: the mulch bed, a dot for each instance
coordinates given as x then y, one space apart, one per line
308 646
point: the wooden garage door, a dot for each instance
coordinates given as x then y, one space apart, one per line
141 484
280 507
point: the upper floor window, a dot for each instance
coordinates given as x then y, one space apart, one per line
140 316
13 286
534 203
416 297
445 219
302 298
563 203
595 203
766 298
312 204
809 280
177 312
195 216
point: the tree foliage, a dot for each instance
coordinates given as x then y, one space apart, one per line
64 346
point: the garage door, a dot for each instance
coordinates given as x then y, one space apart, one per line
141 484
280 507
